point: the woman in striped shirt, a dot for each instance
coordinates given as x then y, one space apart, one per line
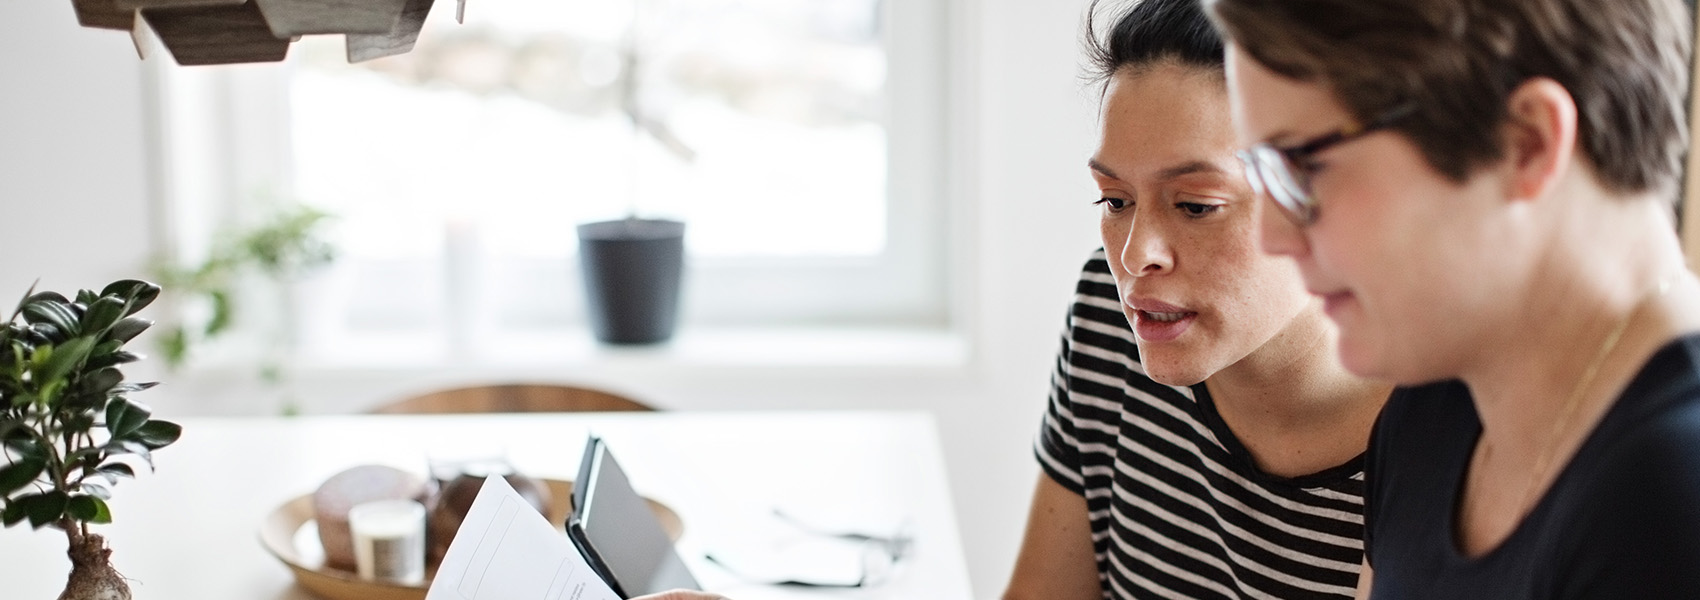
1202 440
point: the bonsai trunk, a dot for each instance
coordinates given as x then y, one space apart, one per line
92 575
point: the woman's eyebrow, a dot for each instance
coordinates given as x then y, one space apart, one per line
1180 170
1188 168
1100 168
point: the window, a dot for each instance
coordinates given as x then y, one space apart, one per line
800 140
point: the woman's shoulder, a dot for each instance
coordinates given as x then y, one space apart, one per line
1659 412
1631 522
1649 444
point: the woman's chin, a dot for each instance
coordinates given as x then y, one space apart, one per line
1175 371
1367 361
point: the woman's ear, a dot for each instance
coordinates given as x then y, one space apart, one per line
1539 137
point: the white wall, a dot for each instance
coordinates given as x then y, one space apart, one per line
75 190
73 177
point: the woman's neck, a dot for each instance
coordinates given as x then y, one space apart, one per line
1292 405
1605 296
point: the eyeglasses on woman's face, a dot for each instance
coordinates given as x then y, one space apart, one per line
1281 172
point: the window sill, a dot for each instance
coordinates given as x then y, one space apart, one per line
576 350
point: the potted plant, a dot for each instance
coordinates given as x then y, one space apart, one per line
632 270
68 430
633 267
286 246
281 251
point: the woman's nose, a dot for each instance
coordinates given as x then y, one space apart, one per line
1146 251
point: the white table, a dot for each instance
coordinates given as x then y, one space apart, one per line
188 532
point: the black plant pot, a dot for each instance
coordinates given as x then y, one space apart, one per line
632 269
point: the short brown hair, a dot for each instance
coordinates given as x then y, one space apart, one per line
1625 62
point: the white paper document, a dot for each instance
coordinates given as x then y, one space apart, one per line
506 551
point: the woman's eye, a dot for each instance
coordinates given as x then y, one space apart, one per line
1112 203
1195 209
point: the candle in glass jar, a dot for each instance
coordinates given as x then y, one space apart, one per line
389 540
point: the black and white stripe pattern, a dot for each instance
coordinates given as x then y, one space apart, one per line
1178 509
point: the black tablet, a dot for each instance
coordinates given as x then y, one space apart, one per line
613 526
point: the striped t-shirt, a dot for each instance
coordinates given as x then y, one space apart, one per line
1178 508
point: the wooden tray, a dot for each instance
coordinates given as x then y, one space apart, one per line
291 535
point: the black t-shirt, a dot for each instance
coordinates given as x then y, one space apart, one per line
1621 521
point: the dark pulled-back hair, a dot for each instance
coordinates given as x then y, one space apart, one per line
1456 62
1151 32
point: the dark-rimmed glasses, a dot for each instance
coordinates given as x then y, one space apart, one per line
1278 171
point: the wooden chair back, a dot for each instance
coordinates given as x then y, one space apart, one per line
514 398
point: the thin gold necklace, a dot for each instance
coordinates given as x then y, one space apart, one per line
1543 461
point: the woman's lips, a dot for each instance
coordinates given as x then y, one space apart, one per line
1333 303
1153 326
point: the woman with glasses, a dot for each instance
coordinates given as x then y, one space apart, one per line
1480 193
1201 439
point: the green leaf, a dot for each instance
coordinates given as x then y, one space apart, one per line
114 470
83 419
97 489
128 328
13 430
77 407
39 357
134 387
106 347
158 434
12 515
44 333
44 508
137 293
86 297
25 446
54 297
20 352
124 417
100 381
82 458
20 474
221 312
131 447
102 315
55 313
115 358
66 357
175 345
89 509
49 396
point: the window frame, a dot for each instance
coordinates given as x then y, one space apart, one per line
223 133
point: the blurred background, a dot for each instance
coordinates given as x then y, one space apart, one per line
886 205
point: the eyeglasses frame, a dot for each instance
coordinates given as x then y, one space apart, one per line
1300 205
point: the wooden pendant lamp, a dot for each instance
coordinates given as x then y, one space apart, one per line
215 32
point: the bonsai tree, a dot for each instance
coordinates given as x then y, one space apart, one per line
68 430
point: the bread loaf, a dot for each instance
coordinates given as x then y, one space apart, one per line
356 485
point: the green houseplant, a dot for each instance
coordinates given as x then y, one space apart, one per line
285 246
68 430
